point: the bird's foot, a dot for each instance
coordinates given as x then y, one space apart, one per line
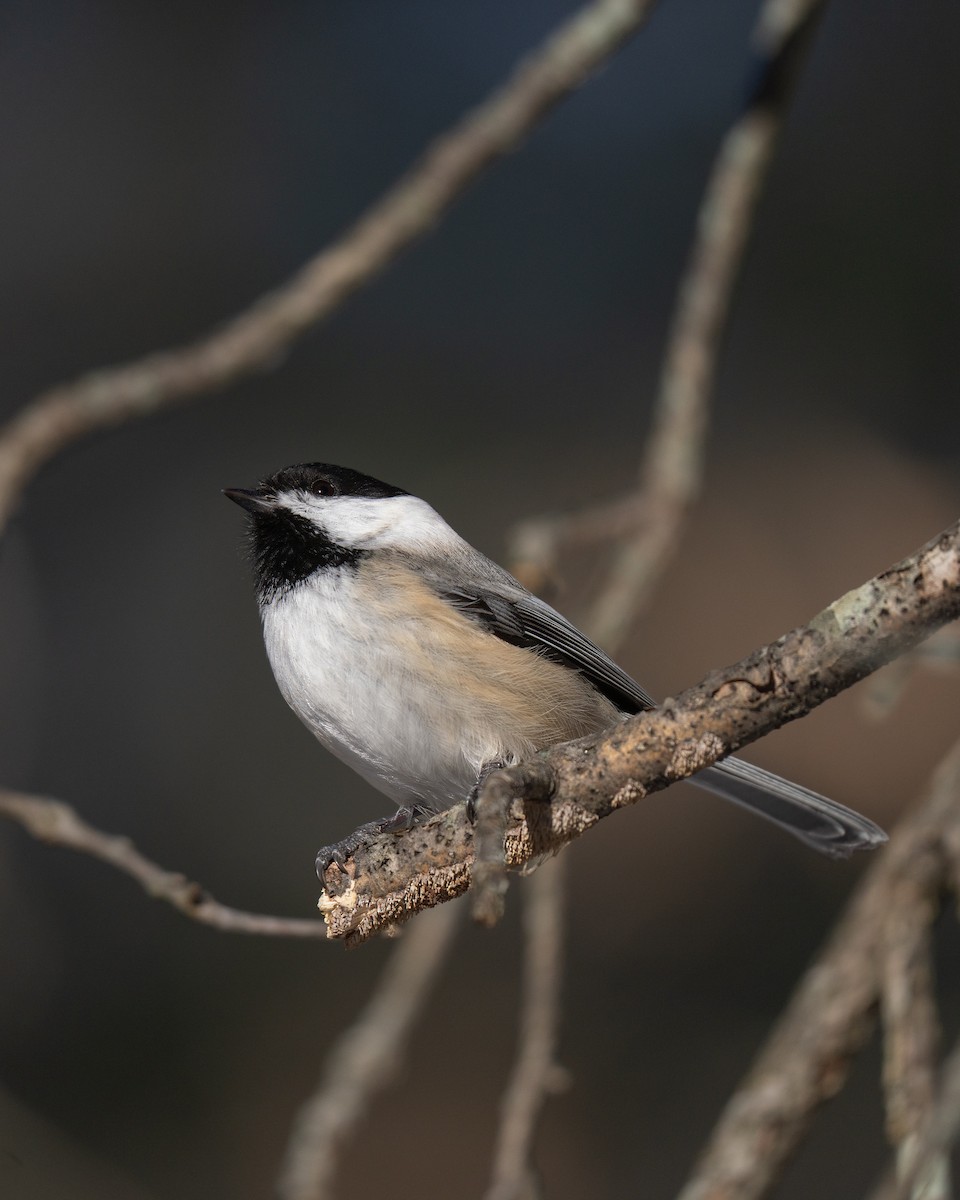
403 819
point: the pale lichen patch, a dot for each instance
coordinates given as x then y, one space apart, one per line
850 612
693 754
630 793
347 899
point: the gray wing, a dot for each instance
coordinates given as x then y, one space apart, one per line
519 618
506 609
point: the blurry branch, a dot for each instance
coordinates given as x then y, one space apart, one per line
646 522
535 1071
257 337
54 822
908 1007
927 1176
365 1058
807 1058
549 802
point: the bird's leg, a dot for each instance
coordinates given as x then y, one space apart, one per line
403 819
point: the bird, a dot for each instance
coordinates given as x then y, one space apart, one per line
423 665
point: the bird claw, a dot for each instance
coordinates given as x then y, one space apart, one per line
403 819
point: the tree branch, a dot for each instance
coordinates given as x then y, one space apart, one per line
393 876
256 337
57 823
808 1055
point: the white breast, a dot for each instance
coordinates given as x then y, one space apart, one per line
410 693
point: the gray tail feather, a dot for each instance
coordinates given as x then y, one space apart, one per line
821 823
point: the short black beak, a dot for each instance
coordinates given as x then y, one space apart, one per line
251 499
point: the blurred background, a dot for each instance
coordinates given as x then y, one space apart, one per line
165 164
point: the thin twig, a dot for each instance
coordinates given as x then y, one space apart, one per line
365 1058
57 823
390 878
258 336
535 1071
646 522
806 1059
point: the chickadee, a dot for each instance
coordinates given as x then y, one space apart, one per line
424 665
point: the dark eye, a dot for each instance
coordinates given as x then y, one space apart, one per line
321 487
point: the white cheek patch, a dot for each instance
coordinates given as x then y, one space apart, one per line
393 522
